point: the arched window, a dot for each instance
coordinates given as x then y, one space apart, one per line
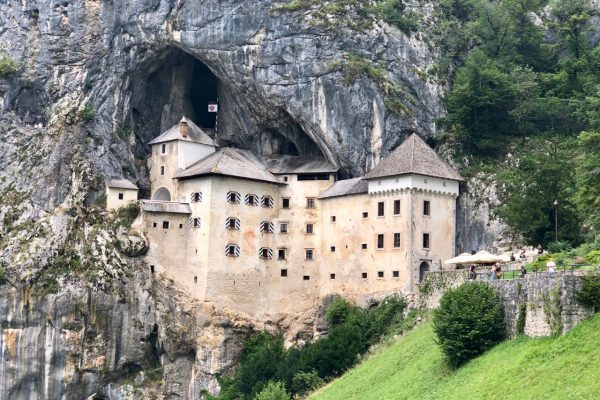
423 268
162 194
233 197
251 200
232 223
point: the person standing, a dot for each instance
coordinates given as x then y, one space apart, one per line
539 249
523 270
551 265
472 272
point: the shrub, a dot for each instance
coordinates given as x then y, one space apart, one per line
589 294
8 66
521 319
593 257
2 275
558 247
468 322
304 382
88 113
273 391
127 214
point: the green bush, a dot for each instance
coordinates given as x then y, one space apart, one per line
521 319
394 13
8 66
593 257
273 391
88 113
304 382
2 275
558 247
468 322
589 294
127 214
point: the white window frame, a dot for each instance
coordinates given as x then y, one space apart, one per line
267 227
268 251
195 222
266 201
236 224
312 254
287 227
236 250
236 197
196 197
251 201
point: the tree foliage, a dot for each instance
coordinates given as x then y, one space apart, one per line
468 322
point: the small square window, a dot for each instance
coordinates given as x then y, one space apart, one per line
162 170
285 178
281 254
380 274
180 226
380 241
283 227
364 275
363 246
380 209
426 207
333 218
331 276
306 278
332 248
426 240
396 207
165 224
152 269
309 254
121 196
365 214
284 272
310 202
310 229
285 203
396 274
154 224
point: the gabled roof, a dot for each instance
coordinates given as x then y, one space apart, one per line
121 184
230 162
297 165
195 134
346 187
413 156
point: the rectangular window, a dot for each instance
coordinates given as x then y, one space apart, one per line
363 246
380 241
397 239
333 218
180 226
310 253
265 253
396 207
267 227
266 201
310 202
365 214
310 229
233 197
251 200
285 203
152 269
426 240
331 276
283 227
332 248
154 224
162 170
284 272
195 279
196 197
306 278
232 223
165 224
380 209
364 275
426 207
380 274
121 196
396 274
232 250
195 222
281 254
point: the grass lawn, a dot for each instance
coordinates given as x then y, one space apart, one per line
567 367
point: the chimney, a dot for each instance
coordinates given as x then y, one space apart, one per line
183 127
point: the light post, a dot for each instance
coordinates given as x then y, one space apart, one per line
556 220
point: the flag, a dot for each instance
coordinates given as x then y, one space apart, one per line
213 107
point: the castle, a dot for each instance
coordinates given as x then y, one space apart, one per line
265 235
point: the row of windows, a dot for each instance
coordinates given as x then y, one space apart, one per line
265 201
364 275
233 250
397 208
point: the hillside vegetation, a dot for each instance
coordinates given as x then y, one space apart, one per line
567 367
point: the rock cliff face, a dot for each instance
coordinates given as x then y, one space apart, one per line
95 81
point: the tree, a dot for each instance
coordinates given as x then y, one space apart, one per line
468 322
588 179
273 391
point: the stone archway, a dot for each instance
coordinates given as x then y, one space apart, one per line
423 268
162 194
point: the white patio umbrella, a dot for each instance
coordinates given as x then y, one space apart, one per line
483 256
464 258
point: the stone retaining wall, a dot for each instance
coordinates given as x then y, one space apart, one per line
545 305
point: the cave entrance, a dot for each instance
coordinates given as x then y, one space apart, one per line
202 92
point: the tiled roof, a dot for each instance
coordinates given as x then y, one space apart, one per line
413 156
121 184
195 134
297 165
166 207
230 162
346 187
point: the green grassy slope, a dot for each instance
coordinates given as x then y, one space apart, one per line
567 367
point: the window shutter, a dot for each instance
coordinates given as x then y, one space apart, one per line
194 222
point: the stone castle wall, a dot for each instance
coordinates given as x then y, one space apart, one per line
547 305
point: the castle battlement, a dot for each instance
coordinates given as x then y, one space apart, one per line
268 235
